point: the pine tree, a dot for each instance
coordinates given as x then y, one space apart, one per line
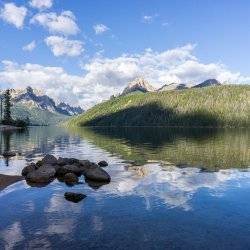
7 106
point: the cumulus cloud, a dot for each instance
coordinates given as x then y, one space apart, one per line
13 14
100 28
41 4
61 46
30 46
65 23
106 76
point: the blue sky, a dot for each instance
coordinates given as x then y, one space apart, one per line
98 46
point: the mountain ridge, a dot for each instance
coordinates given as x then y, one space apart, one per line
39 107
143 86
213 106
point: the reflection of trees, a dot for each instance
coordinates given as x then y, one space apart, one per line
5 144
212 149
35 141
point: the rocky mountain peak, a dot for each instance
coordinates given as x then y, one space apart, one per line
69 110
139 84
30 97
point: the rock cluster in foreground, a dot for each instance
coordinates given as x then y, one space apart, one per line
65 169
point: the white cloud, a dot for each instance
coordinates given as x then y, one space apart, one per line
63 23
41 4
61 46
147 19
30 46
106 76
13 14
100 28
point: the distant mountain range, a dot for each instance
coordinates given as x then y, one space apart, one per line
40 108
141 85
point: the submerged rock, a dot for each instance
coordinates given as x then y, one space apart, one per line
49 159
70 179
103 164
41 175
74 197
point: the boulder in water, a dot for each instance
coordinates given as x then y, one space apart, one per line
96 173
28 169
49 159
70 179
74 197
63 170
67 161
41 175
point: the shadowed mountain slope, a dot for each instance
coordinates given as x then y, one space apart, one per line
217 106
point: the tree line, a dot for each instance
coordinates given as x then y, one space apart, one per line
6 118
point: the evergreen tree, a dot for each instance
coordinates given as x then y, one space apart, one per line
7 106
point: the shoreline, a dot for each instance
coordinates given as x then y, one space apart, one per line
7 180
8 127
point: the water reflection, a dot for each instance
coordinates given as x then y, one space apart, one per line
181 187
211 149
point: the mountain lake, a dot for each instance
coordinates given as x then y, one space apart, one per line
169 189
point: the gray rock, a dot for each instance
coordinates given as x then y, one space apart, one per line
49 159
103 164
85 163
74 197
61 161
67 161
9 154
28 169
70 179
56 167
96 173
41 175
63 170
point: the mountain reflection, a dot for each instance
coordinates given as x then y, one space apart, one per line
150 171
211 149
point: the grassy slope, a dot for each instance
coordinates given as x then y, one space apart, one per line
211 106
36 115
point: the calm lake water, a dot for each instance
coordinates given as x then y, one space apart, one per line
170 189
